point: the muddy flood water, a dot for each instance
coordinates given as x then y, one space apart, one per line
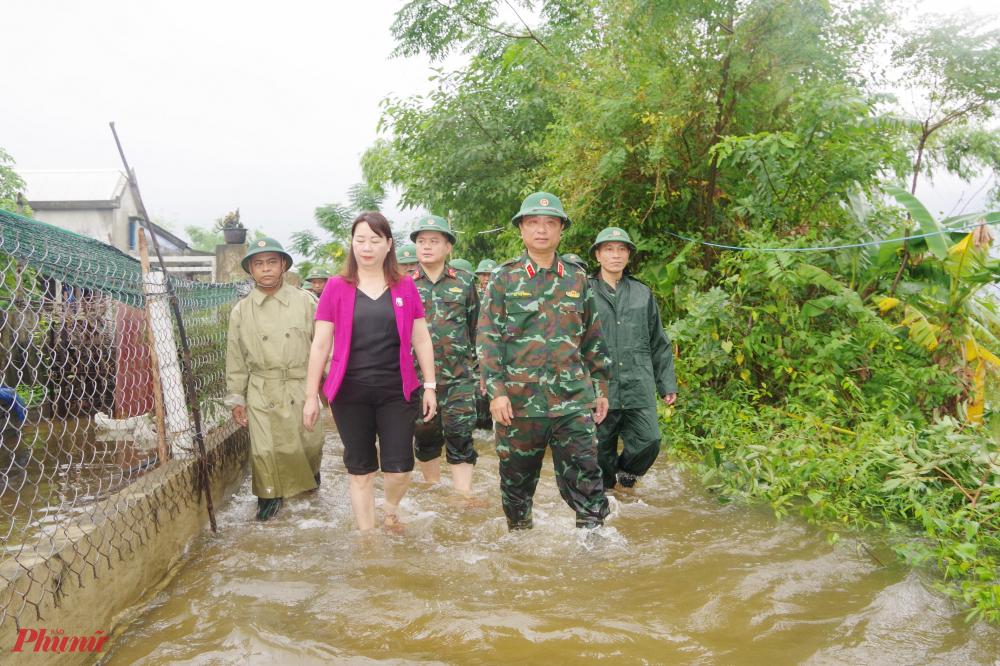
674 578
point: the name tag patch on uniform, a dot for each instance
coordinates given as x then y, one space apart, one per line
572 294
521 294
457 290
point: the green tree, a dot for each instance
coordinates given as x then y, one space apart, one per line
618 107
951 66
334 222
204 239
10 185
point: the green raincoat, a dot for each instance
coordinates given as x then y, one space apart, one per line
642 359
266 363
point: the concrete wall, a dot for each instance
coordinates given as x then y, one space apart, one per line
227 262
95 223
88 574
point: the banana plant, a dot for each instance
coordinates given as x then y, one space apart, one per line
944 304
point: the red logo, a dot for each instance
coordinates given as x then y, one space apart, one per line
616 232
58 641
261 244
544 202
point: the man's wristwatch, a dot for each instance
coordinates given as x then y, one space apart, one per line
430 385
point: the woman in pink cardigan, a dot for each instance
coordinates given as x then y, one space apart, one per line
376 314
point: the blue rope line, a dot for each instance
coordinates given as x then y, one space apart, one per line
833 247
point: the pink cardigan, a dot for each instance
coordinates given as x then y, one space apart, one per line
337 305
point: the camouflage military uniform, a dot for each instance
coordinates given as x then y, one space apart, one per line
540 344
484 420
452 308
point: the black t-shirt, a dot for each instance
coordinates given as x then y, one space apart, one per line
374 359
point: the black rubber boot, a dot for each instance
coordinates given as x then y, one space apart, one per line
319 480
268 507
513 525
627 480
589 523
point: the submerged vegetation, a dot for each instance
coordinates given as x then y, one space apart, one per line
850 385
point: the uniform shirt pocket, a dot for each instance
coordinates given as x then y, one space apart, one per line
520 314
570 319
451 305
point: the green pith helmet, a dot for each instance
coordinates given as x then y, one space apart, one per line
265 245
612 234
541 203
461 263
433 223
576 259
486 266
318 273
407 254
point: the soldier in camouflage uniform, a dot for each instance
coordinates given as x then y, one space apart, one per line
546 368
406 257
483 272
451 304
484 420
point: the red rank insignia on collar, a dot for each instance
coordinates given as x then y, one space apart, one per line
451 272
531 269
559 268
416 273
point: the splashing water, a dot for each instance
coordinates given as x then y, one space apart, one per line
674 578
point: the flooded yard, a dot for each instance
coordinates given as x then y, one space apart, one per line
674 578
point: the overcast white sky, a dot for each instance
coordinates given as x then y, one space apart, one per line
265 106
262 105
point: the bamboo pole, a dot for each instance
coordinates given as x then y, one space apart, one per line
161 419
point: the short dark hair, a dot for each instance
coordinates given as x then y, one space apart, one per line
377 222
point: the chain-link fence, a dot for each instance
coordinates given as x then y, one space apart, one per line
92 399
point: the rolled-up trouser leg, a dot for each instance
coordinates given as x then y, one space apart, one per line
573 439
640 433
608 431
428 436
458 420
484 420
521 448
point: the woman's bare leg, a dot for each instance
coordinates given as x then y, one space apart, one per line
363 500
395 484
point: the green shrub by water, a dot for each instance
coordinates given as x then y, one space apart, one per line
838 417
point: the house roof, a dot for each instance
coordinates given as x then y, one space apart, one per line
73 184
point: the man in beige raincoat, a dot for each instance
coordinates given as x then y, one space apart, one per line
270 335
